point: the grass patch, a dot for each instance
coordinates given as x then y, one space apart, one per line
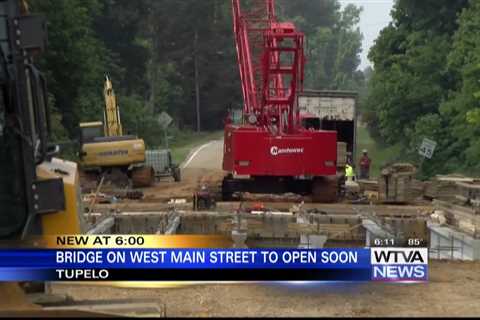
379 155
185 142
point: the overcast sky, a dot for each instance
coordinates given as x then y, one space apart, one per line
375 16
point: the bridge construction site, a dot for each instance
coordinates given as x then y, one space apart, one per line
278 177
441 213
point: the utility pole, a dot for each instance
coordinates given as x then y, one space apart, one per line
197 85
152 64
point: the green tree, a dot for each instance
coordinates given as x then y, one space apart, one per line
119 26
333 42
148 47
75 60
414 79
461 109
172 69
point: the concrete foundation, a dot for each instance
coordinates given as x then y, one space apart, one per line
239 238
450 244
277 229
269 229
312 242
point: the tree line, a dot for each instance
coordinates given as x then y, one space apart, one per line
165 55
426 83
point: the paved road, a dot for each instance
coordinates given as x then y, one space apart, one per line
207 156
202 166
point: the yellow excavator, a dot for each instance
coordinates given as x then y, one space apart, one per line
106 151
39 194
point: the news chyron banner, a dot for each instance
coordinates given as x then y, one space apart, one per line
201 259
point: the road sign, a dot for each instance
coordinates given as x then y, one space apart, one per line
427 148
164 120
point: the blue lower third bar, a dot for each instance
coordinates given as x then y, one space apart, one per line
190 275
26 274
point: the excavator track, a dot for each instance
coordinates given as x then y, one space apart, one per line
139 177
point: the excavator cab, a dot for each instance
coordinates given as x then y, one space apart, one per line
90 130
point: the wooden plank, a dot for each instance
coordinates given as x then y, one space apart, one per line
461 218
444 205
454 179
470 186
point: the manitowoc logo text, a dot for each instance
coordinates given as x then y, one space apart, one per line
399 264
275 151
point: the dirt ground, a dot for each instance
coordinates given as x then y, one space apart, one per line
453 290
192 179
12 297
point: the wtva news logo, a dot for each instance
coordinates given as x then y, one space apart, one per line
399 264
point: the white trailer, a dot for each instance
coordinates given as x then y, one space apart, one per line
332 110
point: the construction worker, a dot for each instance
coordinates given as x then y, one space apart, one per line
349 173
365 163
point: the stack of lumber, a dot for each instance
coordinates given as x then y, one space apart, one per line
417 188
341 154
369 189
468 193
464 218
396 183
368 185
445 187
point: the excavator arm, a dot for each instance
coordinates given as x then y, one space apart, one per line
112 122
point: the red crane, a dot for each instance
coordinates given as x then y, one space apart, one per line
271 151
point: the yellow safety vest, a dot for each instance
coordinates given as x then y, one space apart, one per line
349 171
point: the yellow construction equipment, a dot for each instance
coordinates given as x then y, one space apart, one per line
39 194
98 151
105 150
113 125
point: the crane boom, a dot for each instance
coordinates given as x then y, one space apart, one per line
271 150
271 62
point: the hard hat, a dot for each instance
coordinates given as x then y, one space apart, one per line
365 151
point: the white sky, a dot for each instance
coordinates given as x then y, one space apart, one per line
375 16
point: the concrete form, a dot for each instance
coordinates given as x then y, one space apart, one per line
447 243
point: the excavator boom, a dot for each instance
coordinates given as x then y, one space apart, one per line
113 124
